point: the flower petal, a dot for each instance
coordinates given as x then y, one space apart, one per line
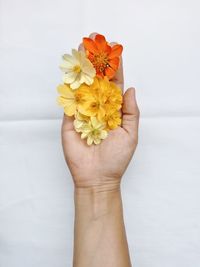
70 59
77 55
70 109
76 84
110 73
62 89
86 78
89 70
100 42
89 140
69 77
116 51
97 141
114 63
66 66
78 123
94 121
84 135
90 45
103 134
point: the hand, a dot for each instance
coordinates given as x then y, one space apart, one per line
102 166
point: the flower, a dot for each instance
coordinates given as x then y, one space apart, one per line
104 58
113 120
101 98
77 69
93 130
69 99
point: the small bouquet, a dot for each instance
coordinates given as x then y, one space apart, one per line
88 92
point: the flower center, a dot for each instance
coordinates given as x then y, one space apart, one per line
95 105
95 133
100 61
77 69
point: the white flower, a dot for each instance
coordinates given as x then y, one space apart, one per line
77 69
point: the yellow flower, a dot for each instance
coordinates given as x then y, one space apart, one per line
113 120
101 98
93 130
81 117
69 99
77 69
114 98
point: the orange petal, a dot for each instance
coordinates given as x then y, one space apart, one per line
116 51
100 42
110 73
99 74
108 49
90 45
114 63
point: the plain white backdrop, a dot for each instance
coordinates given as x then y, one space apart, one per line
161 188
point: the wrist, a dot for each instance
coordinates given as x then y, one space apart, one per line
97 201
96 188
96 184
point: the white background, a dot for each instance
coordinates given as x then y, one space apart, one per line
161 188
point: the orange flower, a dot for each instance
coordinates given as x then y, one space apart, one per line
104 58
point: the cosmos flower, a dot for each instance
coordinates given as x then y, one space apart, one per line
69 99
113 120
77 69
104 58
101 98
93 130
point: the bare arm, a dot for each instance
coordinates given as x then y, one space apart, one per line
100 238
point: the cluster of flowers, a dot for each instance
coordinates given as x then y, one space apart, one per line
88 93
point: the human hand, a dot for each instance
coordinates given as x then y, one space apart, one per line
102 166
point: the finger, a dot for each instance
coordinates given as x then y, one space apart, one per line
67 124
130 117
119 75
81 47
92 35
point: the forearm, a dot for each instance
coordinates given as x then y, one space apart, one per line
99 237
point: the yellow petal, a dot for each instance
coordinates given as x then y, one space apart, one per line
89 140
84 135
65 90
103 134
61 101
97 141
94 122
78 123
70 109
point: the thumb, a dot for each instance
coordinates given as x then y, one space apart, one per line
130 113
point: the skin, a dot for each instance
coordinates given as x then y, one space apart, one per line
97 170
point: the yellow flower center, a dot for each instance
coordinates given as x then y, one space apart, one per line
95 133
78 97
77 69
100 61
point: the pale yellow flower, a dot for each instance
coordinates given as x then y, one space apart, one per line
77 69
93 130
